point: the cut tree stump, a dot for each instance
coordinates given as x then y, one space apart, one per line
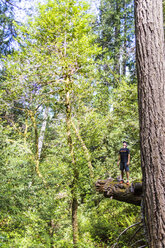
112 188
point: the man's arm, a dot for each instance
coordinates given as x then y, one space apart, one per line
119 158
128 159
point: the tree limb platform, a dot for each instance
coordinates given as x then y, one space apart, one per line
112 188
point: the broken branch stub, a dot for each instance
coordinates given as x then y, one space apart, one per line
122 192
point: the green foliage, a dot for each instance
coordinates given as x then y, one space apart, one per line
125 108
7 31
115 28
105 220
163 11
59 42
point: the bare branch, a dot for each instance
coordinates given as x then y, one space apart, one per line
135 234
125 232
8 2
138 241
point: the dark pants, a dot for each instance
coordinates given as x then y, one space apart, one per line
124 166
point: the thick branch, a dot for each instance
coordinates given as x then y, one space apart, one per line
127 193
86 152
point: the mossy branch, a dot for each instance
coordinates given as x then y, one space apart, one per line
122 192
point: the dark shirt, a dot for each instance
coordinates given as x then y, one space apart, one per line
124 154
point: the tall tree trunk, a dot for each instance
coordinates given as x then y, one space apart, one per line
25 132
36 147
117 40
75 169
42 131
74 219
125 40
151 89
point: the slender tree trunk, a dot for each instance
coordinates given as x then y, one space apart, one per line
75 170
42 132
74 219
125 41
117 41
36 147
25 132
86 152
151 89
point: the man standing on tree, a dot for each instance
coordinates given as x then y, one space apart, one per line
124 160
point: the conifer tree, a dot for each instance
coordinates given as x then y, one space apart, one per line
7 31
151 76
115 35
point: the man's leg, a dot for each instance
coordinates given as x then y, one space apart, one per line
127 175
127 172
122 176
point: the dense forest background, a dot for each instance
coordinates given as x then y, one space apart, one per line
68 100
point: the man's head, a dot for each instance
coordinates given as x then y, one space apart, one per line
124 144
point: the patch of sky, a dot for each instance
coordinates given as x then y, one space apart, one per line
26 8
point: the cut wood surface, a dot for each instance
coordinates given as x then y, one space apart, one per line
112 188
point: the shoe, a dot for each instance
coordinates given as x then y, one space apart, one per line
121 181
127 183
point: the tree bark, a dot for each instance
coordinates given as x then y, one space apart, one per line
117 40
37 162
151 90
124 61
42 131
126 193
74 167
